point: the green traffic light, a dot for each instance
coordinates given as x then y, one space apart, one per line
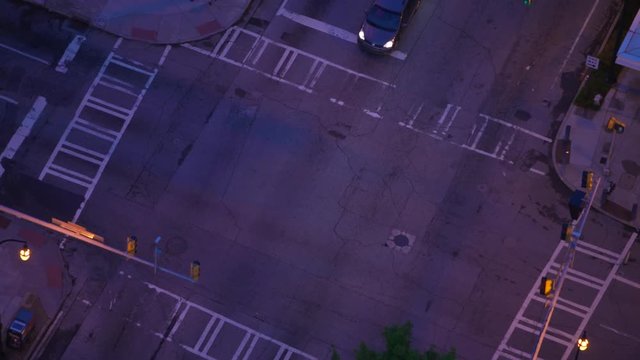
528 2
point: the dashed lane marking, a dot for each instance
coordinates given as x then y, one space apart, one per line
316 66
32 57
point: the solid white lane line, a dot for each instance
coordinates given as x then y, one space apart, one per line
627 281
536 171
321 26
23 131
620 333
528 132
573 46
25 54
9 100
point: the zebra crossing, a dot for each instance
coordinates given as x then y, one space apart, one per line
100 121
302 70
480 133
219 337
571 315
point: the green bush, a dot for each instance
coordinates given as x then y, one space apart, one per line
398 340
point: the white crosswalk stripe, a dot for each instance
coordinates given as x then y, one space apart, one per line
217 326
91 137
511 345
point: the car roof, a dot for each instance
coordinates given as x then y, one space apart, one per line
393 5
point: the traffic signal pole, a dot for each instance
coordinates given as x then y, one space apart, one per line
578 225
79 236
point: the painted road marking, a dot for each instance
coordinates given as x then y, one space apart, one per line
214 328
573 46
552 267
96 160
32 57
70 53
8 99
448 116
23 131
634 338
627 281
317 68
328 29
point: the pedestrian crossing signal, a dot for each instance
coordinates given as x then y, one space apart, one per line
546 286
195 270
616 125
587 179
132 245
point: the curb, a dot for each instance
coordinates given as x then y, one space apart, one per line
146 35
570 112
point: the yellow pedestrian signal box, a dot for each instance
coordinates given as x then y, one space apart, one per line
587 179
195 270
616 125
546 286
132 245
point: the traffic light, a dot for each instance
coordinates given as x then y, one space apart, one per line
576 204
587 179
546 286
567 232
528 2
132 245
616 125
195 270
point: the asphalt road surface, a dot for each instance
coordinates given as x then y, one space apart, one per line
326 192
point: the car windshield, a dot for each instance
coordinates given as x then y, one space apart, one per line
382 18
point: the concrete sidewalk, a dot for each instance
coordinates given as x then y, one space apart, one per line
37 283
613 157
153 21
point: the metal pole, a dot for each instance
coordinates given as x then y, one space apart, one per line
579 224
156 254
76 236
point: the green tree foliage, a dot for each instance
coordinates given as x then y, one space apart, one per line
398 340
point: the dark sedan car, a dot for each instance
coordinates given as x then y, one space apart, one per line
383 22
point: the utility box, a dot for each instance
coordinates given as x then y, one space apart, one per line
21 329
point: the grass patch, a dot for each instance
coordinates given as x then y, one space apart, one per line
601 80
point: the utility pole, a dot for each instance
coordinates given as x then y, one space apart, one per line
574 233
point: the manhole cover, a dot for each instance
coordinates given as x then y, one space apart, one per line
401 240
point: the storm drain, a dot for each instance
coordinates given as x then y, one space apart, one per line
400 240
